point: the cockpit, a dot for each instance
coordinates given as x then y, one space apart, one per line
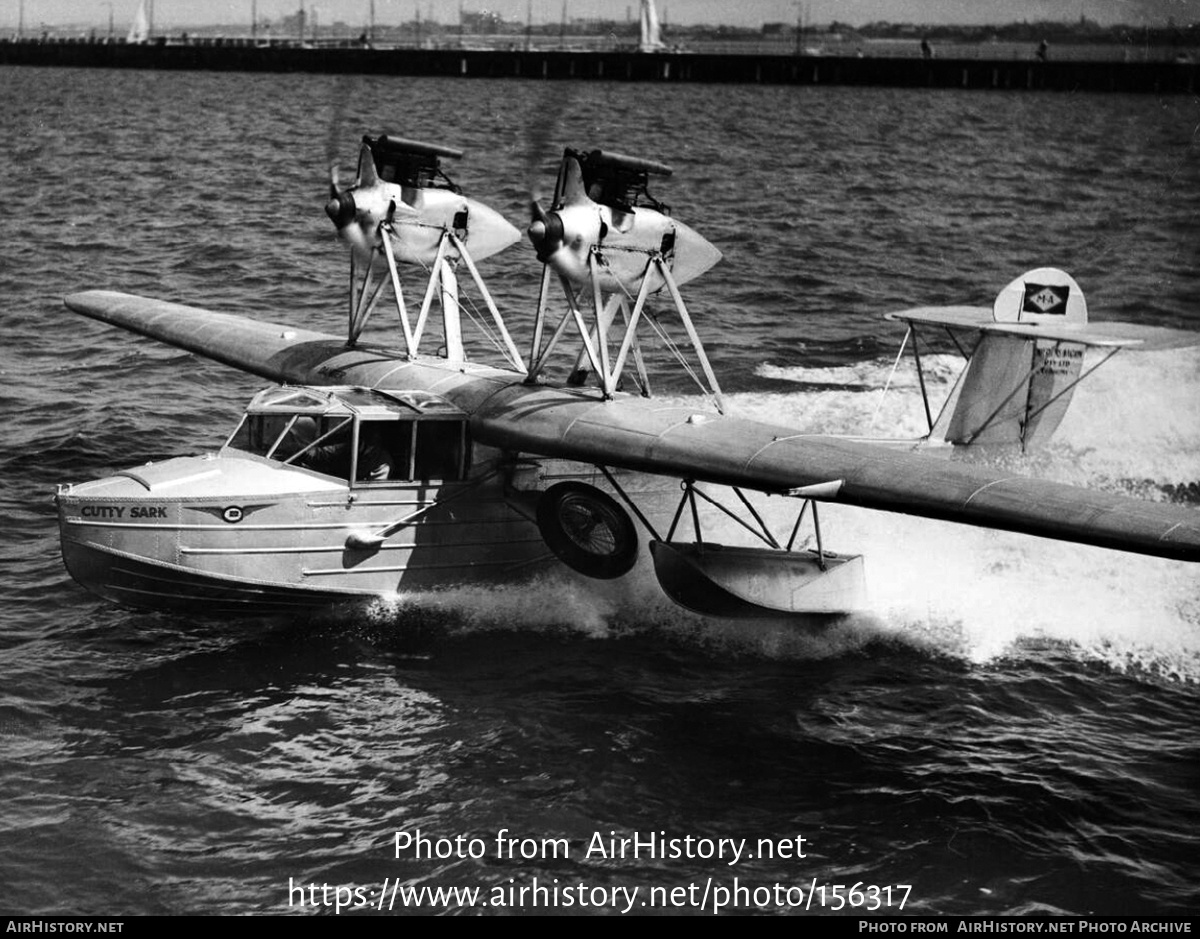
362 436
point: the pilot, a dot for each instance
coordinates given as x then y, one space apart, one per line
374 461
331 456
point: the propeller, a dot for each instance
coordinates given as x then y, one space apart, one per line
344 211
340 208
545 229
563 236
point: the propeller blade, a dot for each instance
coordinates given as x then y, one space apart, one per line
573 192
343 212
366 168
360 245
539 220
536 212
341 209
545 232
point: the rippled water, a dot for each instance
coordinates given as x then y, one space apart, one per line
1011 728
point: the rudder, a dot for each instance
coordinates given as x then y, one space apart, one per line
1016 389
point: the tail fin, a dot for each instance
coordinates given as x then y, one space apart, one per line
1016 388
1045 296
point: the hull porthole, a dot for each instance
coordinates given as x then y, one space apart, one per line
587 530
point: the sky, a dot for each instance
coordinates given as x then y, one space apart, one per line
178 13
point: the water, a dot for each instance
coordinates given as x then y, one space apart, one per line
1010 728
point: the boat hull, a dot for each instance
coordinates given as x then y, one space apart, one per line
232 533
287 539
143 582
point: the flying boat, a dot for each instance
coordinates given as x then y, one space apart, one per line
370 470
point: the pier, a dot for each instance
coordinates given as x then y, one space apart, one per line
1147 77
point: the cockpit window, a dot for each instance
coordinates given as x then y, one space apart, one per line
297 438
322 444
416 450
388 450
439 453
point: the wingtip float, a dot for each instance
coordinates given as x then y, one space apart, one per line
374 470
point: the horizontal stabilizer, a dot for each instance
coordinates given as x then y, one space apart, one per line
1133 336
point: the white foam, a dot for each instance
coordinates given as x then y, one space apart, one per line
1136 416
939 370
983 596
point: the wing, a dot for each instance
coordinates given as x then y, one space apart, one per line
250 345
635 434
641 434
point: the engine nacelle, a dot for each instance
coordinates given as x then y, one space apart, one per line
400 184
602 208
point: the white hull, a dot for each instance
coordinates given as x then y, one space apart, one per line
252 549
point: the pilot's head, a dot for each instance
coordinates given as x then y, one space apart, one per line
304 431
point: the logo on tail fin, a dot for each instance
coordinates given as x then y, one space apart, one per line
1045 299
